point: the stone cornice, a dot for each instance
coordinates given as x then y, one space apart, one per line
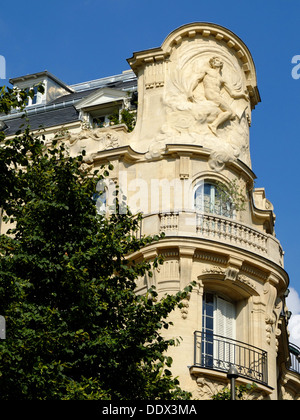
125 153
253 264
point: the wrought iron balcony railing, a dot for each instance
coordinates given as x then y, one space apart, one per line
294 358
215 352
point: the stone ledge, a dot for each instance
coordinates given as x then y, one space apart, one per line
221 377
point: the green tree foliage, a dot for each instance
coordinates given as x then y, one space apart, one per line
75 328
124 117
233 193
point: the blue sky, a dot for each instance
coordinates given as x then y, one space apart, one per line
82 40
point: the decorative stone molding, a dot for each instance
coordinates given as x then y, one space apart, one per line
185 306
154 72
184 170
213 270
169 270
273 306
87 138
289 386
245 280
254 272
207 256
207 387
212 382
95 142
230 274
86 167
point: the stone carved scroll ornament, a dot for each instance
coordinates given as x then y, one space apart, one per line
206 104
273 309
93 141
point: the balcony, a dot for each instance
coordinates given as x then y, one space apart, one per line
294 358
227 230
215 352
223 230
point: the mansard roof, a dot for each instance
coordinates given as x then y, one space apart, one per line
65 109
44 119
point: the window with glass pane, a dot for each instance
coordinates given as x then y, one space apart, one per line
208 199
218 326
208 329
34 99
100 121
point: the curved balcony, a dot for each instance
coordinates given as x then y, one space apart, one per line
221 229
227 230
215 352
294 358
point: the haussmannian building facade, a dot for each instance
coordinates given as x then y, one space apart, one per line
186 165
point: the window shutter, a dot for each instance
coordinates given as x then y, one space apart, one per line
225 318
224 325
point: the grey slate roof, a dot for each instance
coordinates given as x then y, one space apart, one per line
43 119
43 116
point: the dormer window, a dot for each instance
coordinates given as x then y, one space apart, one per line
53 87
36 99
101 121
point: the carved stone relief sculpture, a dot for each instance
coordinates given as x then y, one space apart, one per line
205 99
206 107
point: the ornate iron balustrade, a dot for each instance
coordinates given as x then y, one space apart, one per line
294 358
215 352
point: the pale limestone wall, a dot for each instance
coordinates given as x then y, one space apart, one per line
231 274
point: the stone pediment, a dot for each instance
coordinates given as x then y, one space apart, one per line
198 88
102 96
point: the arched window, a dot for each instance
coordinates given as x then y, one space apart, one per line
210 199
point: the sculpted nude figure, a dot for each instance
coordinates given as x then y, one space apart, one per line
213 82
